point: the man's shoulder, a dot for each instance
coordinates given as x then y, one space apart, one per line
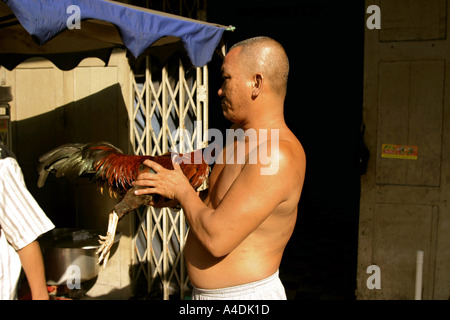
8 163
279 152
291 149
5 152
285 146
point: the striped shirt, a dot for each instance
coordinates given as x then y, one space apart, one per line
21 221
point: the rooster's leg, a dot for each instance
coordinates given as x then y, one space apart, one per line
108 240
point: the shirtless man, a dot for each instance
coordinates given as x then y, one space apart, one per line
239 231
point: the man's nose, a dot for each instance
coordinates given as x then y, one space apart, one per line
220 92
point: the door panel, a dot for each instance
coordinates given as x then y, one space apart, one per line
410 113
395 249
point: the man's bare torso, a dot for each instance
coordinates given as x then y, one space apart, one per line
259 255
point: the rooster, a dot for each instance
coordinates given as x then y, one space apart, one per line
110 168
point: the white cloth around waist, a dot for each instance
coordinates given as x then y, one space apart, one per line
269 288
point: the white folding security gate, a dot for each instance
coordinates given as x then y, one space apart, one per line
170 114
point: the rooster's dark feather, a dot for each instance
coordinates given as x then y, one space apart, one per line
109 167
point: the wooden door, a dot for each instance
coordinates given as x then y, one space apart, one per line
405 192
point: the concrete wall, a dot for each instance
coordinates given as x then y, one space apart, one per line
89 103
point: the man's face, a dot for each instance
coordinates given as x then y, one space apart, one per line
234 91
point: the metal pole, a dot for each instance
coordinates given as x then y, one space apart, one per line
148 105
419 272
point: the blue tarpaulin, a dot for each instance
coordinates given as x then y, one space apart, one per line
138 28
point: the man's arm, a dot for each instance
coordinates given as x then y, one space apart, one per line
33 266
250 200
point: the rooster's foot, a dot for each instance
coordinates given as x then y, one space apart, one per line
108 240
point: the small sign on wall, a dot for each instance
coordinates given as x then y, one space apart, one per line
399 151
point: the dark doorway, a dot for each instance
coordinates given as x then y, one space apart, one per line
325 44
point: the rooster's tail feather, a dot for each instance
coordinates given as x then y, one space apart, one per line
71 160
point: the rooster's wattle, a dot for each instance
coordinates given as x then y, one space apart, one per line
110 168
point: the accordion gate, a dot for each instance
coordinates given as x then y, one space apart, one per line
170 113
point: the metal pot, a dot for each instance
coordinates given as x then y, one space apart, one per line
70 254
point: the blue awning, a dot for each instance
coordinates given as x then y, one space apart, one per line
104 25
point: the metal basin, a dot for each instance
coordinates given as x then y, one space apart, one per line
70 254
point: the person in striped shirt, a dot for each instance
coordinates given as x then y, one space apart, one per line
22 221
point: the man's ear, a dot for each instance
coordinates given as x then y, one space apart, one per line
258 80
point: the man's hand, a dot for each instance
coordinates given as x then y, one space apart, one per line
168 183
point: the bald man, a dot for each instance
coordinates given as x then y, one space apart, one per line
239 231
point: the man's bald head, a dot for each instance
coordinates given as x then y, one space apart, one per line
267 56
